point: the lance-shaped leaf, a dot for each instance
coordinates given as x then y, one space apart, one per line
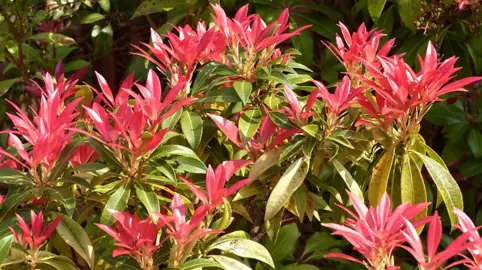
380 174
350 182
446 185
245 248
243 89
117 201
412 184
75 236
249 123
290 181
192 128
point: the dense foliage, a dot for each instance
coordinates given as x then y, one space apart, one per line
222 151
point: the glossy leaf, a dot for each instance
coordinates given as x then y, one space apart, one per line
380 174
153 6
54 38
375 8
249 123
229 263
200 263
446 185
266 161
412 185
349 181
76 237
192 128
247 249
475 143
5 243
5 85
117 201
148 198
243 89
409 10
291 179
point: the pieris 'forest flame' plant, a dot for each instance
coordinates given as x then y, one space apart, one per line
227 140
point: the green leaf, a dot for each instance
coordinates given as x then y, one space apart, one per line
291 179
295 266
74 235
117 201
192 128
266 161
350 182
202 78
229 263
75 180
249 123
104 4
385 22
380 174
105 154
321 241
409 10
13 177
5 243
189 164
281 120
75 65
174 150
16 195
285 243
412 185
446 184
5 85
54 39
375 8
322 25
63 195
148 198
220 95
172 120
58 262
226 219
475 143
305 44
153 6
200 263
89 18
247 249
243 89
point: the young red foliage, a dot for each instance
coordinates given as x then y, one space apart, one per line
35 235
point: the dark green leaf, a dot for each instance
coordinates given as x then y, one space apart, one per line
148 198
153 6
192 128
117 201
475 143
409 11
243 89
13 177
281 120
75 236
5 243
5 85
249 123
89 18
375 8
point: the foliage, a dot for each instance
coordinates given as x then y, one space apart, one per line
222 151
